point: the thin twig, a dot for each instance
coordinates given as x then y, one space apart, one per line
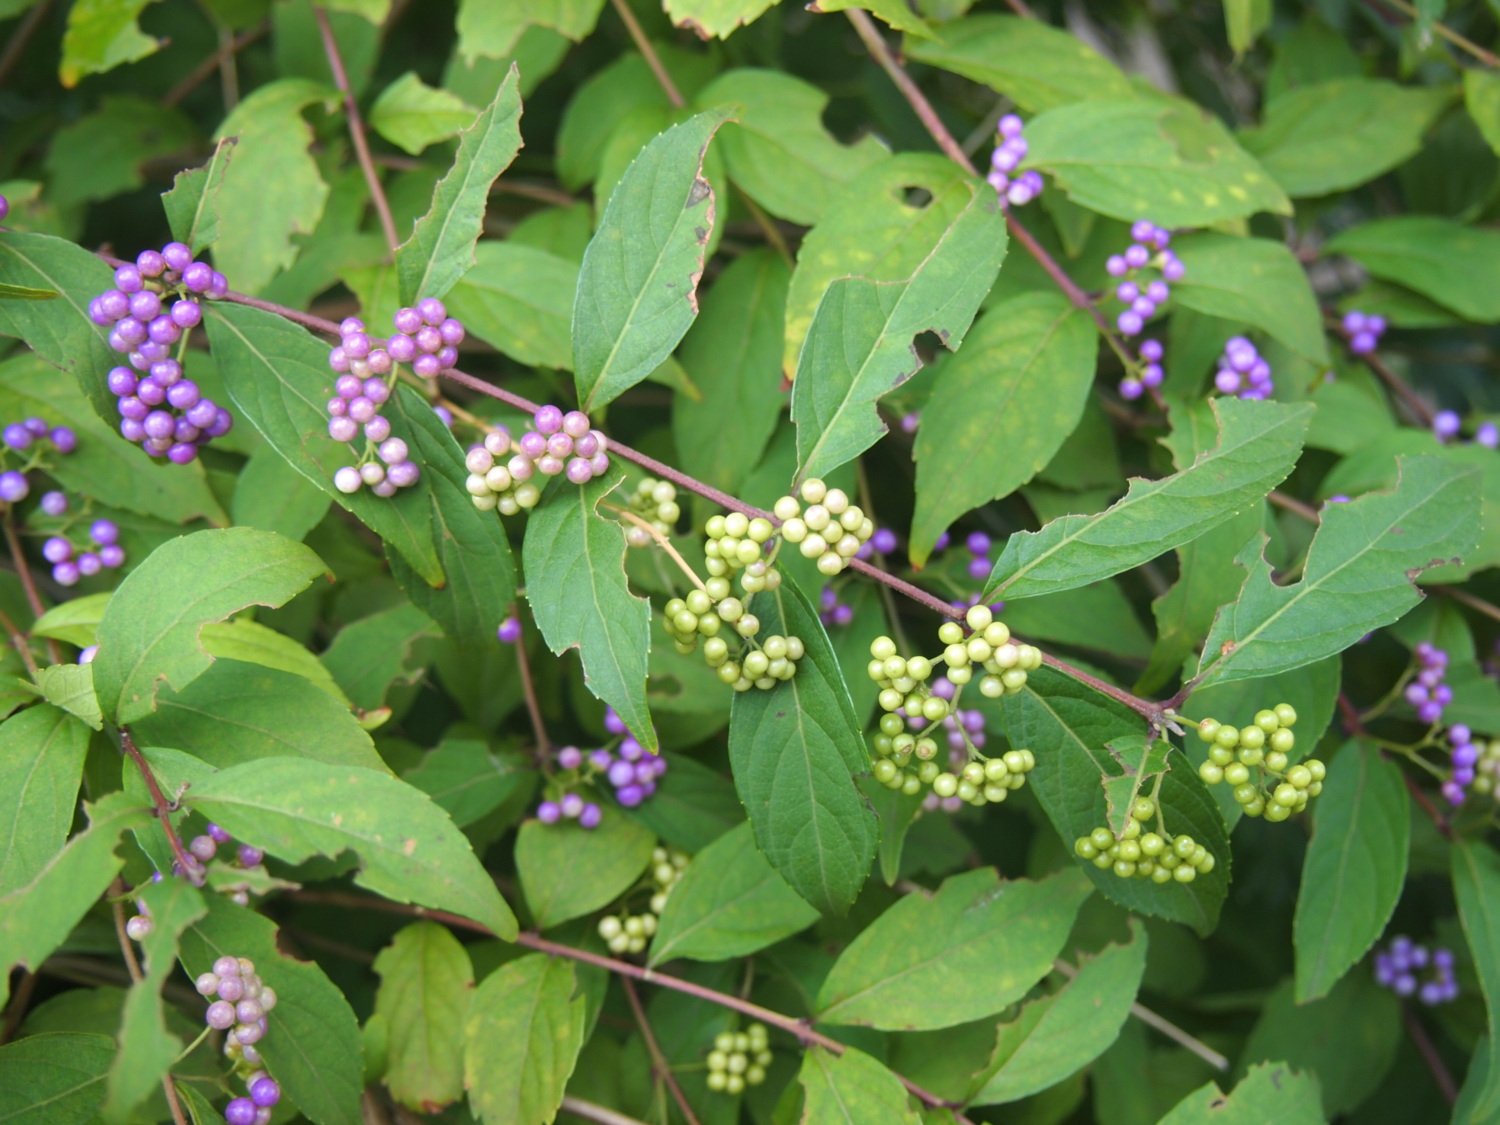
191 868
648 52
229 74
528 690
1479 605
16 1011
199 73
127 950
767 227
590 1111
357 129
22 646
1489 58
1425 1047
1292 504
1163 1025
659 1064
16 47
661 541
1355 727
33 597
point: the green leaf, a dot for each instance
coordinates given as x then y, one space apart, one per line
522 1040
71 687
75 621
795 750
1000 409
637 289
412 115
961 954
1158 157
253 643
41 765
1245 20
1066 725
205 577
1476 885
568 871
1271 1094
466 780
574 560
313 1045
426 983
729 903
897 13
1482 96
26 293
1055 1035
778 149
273 496
272 187
715 19
411 852
1255 281
852 1089
371 655
1037 66
104 154
101 35
147 1048
520 300
1456 265
441 247
1354 869
1357 578
1337 135
1142 759
1259 443
56 1078
38 916
491 27
692 807
277 376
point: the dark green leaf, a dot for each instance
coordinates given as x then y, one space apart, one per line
520 300
1456 265
1256 281
1476 885
468 781
41 763
692 807
568 871
273 496
54 1079
192 206
426 983
1141 759
103 154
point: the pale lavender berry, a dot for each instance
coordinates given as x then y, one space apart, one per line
548 465
560 445
240 1111
220 1014
428 339
248 1011
226 966
613 723
348 386
203 847
13 486
402 348
265 1091
150 392
186 313
357 345
380 362
570 757
347 480
57 549
218 835
112 557
599 464
571 805
361 409
198 277
1227 382
1158 291
37 426
1151 350
432 311
1152 375
251 857
54 503
884 541
426 366
910 421
591 815
378 428
1446 424
177 255
128 279
509 631
89 564
600 759
548 420
549 812
1362 343
1144 307
1172 269
404 474
452 332
376 391
407 321
621 773
392 450
338 361
1129 322
1487 435
1127 291
447 357
231 988
533 444
1131 389
207 983
630 749
1137 256
185 395
351 324
575 424
586 446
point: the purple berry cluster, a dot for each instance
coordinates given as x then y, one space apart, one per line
979 546
630 771
1131 387
1363 331
22 437
563 443
1446 425
883 542
69 564
1398 965
1148 249
831 611
240 1004
366 370
1243 372
1010 150
1464 753
152 308
1427 693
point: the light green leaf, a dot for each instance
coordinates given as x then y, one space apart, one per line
897 13
1141 759
729 903
715 19
1245 20
412 115
295 808
101 35
795 751
964 953
1000 409
1456 265
1357 577
75 621
522 1041
637 289
1259 443
1037 66
71 687
41 764
491 27
1482 96
1055 1035
370 656
56 1078
253 643
1340 134
26 293
568 871
1271 1094
1164 159
426 984
574 560
520 300
1476 885
441 247
206 577
852 1089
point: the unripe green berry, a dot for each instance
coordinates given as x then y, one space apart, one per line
708 625
1220 756
1211 773
1236 773
882 648
919 667
748 625
1184 874
1282 741
1255 807
699 602
1130 850
1208 729
1286 714
1014 679
945 785
1183 845
794 530
960 676
1103 838
1084 847
1206 864
1251 757
1245 793
1267 721
760 530
1252 738
1132 830
996 633
883 744
1299 776
1152 845
814 490
995 769
1316 768
950 632
934 709
978 617
1275 762
786 508
1124 868
729 672
1277 813
715 651
884 770
1143 809
990 686
1227 736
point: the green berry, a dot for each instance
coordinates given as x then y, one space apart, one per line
1286 714
945 785
1252 738
1275 762
1267 721
950 632
1208 729
1084 847
1299 776
1227 736
1282 742
1144 809
1103 838
1211 773
1184 846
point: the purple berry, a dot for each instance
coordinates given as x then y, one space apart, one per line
548 812
612 722
579 471
630 795
265 1092
13 486
122 381
548 420
591 815
1446 424
220 1015
571 805
112 557
404 474
54 503
128 279
407 321
884 540
402 348
177 255
198 277
251 857
16 435
570 757
186 313
432 311
509 631
426 366
240 1111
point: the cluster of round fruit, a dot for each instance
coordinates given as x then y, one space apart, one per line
426 337
703 613
1261 750
883 542
239 1005
831 529
739 1059
1149 248
624 932
1464 753
633 775
200 850
501 470
570 806
1487 769
165 412
737 542
366 370
1132 387
1158 856
1243 372
69 564
18 437
1446 425
831 611
1397 966
1362 330
655 501
1010 150
491 484
1427 693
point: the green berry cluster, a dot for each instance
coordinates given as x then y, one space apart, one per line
1254 760
655 501
1487 768
704 613
490 483
739 1059
1158 856
628 933
830 529
737 542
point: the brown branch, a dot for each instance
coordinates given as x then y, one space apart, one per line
357 129
21 644
191 868
203 70
648 52
16 1011
33 597
1428 1050
1488 58
660 1068
1479 605
591 1111
16 47
528 690
1295 506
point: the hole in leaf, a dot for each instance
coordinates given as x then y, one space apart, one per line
915 196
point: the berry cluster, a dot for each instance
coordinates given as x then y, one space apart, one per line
1137 854
831 611
1010 150
624 932
1148 249
570 806
200 850
19 437
633 774
655 501
1427 693
1446 425
1362 331
240 1011
1131 387
1397 966
560 443
491 484
1264 747
1464 754
153 307
739 1059
962 729
737 542
758 663
366 370
1487 769
1243 372
69 564
883 542
831 530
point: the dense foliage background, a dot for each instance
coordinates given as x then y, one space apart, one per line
1165 330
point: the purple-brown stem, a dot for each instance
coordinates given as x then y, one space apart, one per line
201 72
162 806
659 1065
28 584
